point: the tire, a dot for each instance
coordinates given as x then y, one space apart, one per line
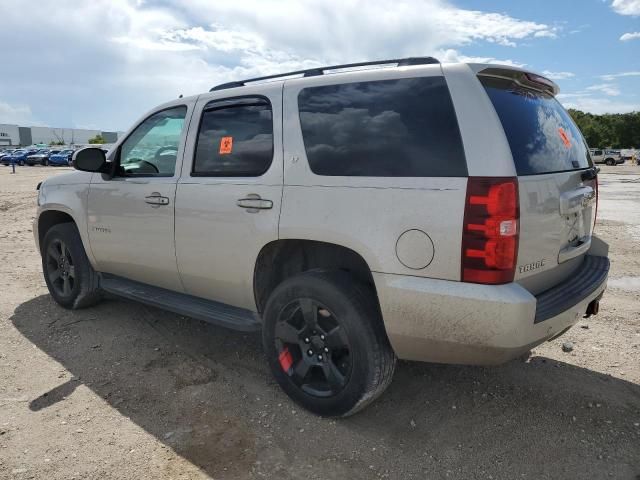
610 162
21 163
355 351
45 163
71 280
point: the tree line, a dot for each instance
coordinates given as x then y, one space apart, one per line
611 130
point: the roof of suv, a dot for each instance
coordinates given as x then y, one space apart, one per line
519 75
529 78
313 72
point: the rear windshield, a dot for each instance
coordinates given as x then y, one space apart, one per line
542 136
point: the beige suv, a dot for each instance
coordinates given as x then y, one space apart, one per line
414 210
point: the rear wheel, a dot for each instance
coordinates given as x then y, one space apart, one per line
21 163
610 162
325 343
45 162
70 278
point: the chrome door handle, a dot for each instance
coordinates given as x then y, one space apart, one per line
156 199
253 203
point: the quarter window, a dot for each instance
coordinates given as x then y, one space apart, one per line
152 148
235 140
389 128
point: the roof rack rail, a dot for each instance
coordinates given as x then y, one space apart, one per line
312 72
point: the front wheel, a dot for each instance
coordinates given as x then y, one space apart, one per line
71 280
21 163
326 344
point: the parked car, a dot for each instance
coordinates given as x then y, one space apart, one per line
627 154
6 152
17 157
61 158
352 217
608 157
41 157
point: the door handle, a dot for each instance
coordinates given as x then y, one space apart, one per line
253 203
156 199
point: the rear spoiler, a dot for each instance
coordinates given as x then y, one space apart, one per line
523 78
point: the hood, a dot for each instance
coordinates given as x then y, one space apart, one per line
72 178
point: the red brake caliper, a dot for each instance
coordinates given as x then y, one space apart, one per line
286 360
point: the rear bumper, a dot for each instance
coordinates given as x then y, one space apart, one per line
454 322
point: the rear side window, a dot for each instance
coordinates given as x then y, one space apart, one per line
389 128
235 140
542 136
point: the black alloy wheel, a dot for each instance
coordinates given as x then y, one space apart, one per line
60 268
67 271
325 342
313 348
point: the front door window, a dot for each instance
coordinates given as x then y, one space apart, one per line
152 148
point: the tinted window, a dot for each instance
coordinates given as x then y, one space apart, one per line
235 140
152 148
542 136
390 128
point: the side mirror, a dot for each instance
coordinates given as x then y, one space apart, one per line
90 159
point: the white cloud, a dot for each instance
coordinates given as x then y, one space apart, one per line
17 114
597 105
612 76
454 56
606 88
626 7
558 75
630 36
545 34
564 96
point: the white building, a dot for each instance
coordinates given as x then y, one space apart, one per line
9 135
68 136
15 136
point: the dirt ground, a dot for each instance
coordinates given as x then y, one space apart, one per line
124 391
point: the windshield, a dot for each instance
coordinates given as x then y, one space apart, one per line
542 136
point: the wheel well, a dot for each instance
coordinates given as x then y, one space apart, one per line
50 218
282 259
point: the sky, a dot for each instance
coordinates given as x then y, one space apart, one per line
102 64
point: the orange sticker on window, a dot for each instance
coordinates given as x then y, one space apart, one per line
226 145
564 137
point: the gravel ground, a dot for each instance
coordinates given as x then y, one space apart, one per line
123 391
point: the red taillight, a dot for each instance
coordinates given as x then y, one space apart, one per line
490 231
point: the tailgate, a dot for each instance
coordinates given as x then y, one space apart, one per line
557 184
557 212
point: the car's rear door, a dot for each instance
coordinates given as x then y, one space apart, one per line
229 194
557 184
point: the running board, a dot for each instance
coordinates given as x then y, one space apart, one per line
207 310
